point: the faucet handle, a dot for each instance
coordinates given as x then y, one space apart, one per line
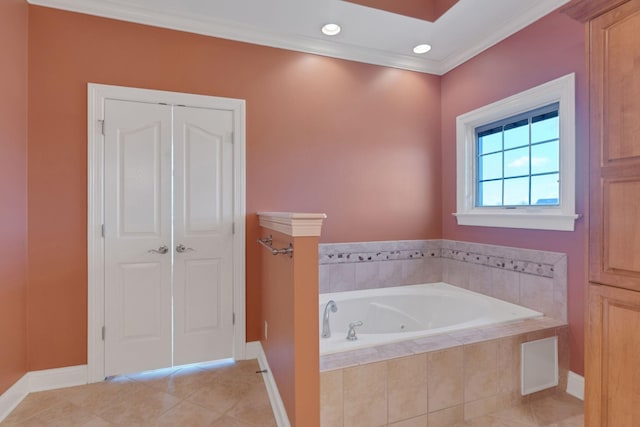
351 335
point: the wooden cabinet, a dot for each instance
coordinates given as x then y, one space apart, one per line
613 356
614 225
612 364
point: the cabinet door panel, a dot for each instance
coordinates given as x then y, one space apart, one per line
614 211
616 49
613 344
621 239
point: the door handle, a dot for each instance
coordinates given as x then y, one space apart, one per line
161 250
182 248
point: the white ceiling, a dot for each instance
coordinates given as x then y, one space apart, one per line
368 35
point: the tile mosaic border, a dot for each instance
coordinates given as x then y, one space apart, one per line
527 261
342 253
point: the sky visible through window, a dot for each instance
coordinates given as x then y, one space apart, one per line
518 160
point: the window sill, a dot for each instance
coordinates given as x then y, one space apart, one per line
528 220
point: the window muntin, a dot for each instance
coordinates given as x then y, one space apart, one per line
518 160
541 217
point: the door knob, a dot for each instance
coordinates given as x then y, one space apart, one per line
161 250
182 248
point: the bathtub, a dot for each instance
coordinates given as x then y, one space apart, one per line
410 312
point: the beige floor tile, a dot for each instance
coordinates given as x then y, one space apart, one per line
220 396
186 414
577 421
66 414
255 408
96 397
227 421
556 409
182 383
520 413
197 395
31 406
142 408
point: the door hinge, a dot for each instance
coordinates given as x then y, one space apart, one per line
103 333
101 126
233 318
102 230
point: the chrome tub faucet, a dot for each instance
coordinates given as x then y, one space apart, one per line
330 307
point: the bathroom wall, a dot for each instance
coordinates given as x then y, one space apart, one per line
13 188
550 48
357 141
291 344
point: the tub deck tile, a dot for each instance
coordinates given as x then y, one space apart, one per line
433 343
348 359
543 325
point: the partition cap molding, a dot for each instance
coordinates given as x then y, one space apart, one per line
293 224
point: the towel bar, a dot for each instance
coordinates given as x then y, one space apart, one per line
267 243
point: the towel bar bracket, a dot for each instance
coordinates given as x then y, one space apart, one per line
267 242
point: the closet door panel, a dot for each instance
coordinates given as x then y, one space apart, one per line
138 328
203 233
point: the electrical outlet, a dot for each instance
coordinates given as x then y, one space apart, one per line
266 330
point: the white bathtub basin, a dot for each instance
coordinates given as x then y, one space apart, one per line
409 312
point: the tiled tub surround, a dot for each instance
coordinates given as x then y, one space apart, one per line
531 278
434 381
441 379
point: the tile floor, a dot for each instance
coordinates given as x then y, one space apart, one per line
559 410
229 395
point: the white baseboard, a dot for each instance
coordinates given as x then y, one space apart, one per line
33 381
279 411
575 385
12 397
252 350
50 379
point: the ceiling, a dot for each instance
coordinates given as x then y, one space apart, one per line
368 34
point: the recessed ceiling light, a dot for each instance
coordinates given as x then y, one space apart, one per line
422 48
331 29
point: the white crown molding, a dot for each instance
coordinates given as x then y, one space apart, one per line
241 33
504 30
293 224
120 10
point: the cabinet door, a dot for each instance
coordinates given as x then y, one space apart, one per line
612 353
615 147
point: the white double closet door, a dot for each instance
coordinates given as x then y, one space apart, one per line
168 235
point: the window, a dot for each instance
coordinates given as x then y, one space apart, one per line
516 160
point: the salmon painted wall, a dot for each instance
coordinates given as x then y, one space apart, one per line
13 188
550 48
289 305
278 311
357 141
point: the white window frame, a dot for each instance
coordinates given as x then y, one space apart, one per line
561 217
